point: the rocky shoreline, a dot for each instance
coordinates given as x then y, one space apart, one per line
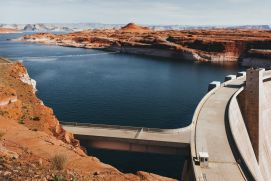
258 58
212 45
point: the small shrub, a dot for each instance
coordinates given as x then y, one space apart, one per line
1 134
2 160
59 161
57 178
2 113
21 121
34 129
35 118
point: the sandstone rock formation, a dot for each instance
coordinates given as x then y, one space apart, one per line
132 27
210 45
8 30
31 137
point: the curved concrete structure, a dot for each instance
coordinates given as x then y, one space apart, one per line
241 137
210 135
218 128
259 169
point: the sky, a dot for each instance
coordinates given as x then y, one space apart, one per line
162 12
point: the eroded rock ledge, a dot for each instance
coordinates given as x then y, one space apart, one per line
213 45
8 30
30 137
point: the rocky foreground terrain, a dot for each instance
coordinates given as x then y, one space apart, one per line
204 45
34 146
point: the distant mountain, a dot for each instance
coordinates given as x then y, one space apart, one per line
29 28
262 27
47 27
132 27
187 27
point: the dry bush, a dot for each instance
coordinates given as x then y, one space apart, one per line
2 133
35 118
59 161
21 121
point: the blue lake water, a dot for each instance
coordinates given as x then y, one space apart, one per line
93 86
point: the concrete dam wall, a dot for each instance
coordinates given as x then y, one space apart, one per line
265 152
255 105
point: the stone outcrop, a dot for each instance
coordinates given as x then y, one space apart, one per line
210 45
7 95
131 27
32 108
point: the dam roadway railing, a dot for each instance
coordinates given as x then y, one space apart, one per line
146 129
128 138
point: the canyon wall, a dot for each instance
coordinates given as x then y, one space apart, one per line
215 45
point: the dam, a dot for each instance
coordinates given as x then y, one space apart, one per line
228 138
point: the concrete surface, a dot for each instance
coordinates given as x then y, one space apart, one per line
218 128
211 136
132 138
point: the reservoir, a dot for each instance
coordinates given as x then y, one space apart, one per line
92 86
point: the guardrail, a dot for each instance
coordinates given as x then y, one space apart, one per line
145 129
267 75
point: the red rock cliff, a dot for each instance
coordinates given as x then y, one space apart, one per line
214 45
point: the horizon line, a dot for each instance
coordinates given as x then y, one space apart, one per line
142 24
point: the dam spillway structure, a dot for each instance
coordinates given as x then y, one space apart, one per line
229 137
